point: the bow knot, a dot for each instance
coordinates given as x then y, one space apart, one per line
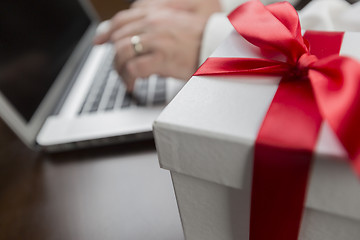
303 65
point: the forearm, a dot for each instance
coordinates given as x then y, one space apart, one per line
217 29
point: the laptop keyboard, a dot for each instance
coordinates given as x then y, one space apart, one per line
108 92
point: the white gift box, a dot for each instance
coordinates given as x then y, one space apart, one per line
205 137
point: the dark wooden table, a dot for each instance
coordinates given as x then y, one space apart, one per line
115 192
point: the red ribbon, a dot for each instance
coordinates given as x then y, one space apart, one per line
317 85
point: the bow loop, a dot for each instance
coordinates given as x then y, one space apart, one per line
277 28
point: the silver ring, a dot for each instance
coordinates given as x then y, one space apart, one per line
136 43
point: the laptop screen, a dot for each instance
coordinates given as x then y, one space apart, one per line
36 39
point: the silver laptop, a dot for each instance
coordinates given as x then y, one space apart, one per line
58 91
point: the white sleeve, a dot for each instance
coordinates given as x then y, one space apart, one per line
330 15
229 5
217 29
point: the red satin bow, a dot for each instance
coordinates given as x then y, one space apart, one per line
317 85
335 79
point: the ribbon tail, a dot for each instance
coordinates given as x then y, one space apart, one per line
241 66
282 160
336 84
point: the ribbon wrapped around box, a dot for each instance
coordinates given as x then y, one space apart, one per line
315 98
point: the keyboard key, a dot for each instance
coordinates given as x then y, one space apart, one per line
126 100
98 95
159 97
160 91
112 99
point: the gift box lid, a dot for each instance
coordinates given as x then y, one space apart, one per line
209 129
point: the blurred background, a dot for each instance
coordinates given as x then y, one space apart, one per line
107 8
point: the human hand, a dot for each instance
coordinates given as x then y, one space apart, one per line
202 7
170 40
